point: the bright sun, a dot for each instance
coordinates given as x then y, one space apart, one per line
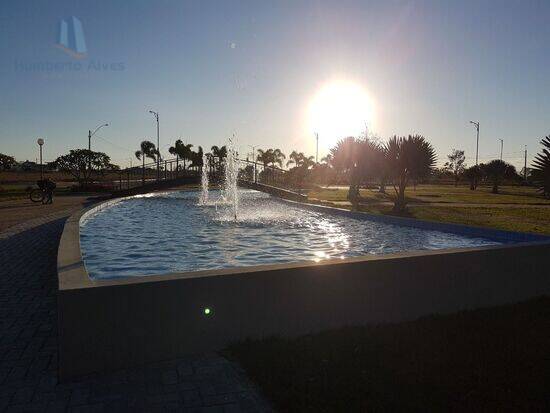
339 109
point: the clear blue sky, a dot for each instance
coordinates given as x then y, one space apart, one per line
214 68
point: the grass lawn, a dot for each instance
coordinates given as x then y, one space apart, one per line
441 194
528 219
493 359
459 205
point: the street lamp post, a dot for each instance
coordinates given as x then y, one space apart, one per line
90 134
40 142
501 146
254 159
156 115
476 124
317 147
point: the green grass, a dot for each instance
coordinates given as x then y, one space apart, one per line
528 219
440 194
493 359
478 208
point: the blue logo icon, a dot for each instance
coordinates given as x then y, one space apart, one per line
71 38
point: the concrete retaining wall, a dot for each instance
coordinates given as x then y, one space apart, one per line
105 325
273 190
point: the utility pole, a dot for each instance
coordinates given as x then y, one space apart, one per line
317 148
156 115
501 145
525 165
254 159
40 142
476 124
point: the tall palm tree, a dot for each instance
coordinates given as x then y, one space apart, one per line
294 158
344 159
265 157
407 158
541 168
182 151
278 157
219 154
196 157
147 149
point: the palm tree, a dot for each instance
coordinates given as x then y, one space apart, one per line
344 158
278 157
182 151
407 158
473 174
265 157
294 158
498 170
541 168
147 150
219 154
196 158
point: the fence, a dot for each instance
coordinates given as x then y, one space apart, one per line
171 169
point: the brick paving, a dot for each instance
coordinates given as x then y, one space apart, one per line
28 348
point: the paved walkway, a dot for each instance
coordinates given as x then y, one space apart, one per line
28 348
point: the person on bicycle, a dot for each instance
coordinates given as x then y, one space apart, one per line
47 185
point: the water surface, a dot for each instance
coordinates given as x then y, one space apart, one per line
169 232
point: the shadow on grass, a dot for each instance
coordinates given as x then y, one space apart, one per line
490 359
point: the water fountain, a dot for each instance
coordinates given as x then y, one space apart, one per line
230 192
229 195
203 200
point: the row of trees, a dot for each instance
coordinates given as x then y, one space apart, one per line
359 162
398 163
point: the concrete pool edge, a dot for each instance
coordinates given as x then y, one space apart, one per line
100 320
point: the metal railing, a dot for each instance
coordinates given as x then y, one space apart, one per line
176 168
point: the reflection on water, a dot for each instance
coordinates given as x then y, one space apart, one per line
169 232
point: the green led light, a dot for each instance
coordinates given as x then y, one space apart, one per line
207 311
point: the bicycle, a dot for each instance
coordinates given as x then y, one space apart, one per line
38 195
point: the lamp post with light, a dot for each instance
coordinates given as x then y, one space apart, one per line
40 142
156 115
90 134
476 124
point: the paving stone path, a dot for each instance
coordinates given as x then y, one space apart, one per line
28 349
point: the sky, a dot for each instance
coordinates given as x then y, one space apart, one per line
253 69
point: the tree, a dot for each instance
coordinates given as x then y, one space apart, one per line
358 160
408 158
83 164
218 152
147 149
344 160
498 170
455 164
277 157
473 174
294 158
196 157
541 168
6 162
181 150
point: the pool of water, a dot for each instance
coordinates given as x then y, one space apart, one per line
170 232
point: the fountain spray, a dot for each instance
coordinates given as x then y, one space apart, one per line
204 180
231 193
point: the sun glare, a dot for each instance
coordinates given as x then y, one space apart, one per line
339 109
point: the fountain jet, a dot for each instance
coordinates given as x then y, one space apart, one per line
230 189
204 180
